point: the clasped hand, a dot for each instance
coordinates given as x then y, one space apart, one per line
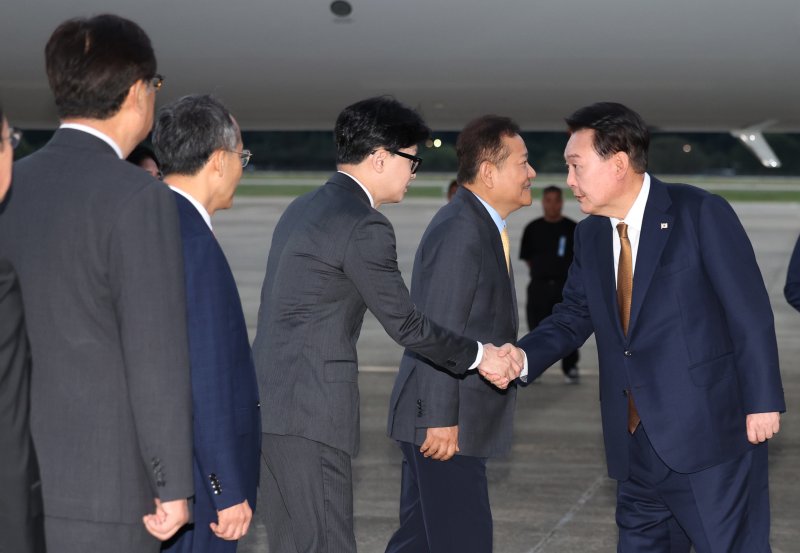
501 365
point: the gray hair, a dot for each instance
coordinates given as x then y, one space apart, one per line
189 130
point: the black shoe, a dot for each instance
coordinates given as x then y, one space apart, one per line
571 376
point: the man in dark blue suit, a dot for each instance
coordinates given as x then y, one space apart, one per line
200 148
690 389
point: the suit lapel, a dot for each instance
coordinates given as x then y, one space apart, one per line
604 250
656 228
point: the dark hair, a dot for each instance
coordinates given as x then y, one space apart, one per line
380 122
142 152
552 189
189 130
617 128
92 63
482 140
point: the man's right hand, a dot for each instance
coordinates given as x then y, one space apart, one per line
501 365
440 443
167 518
233 521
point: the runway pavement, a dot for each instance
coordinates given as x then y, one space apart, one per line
552 494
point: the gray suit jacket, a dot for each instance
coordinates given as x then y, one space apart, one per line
460 280
332 257
96 244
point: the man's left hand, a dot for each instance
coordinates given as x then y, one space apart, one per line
762 426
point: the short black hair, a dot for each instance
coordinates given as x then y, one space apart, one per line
552 189
380 122
142 152
617 128
92 63
189 130
482 140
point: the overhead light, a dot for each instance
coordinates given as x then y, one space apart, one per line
437 143
341 8
687 148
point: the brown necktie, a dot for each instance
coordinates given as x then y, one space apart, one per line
624 292
506 248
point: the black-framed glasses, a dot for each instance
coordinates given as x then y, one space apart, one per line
14 137
415 161
156 82
244 155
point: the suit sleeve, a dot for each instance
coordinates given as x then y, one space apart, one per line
146 275
730 263
370 262
211 358
792 288
448 266
566 329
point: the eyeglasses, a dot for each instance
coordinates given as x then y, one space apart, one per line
415 161
244 155
14 137
156 82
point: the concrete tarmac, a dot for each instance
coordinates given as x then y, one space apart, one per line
552 495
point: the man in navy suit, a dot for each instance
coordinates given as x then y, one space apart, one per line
690 389
200 148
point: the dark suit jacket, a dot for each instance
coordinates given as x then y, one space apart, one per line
700 352
332 257
792 288
460 281
96 244
227 422
21 529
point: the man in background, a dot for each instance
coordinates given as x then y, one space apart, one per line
96 244
546 247
333 256
462 280
792 289
201 149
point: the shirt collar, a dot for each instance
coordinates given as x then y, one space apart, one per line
364 188
501 224
636 212
200 208
94 132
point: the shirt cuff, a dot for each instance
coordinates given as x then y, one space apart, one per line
523 376
478 358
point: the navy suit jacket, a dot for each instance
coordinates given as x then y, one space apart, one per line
700 353
227 422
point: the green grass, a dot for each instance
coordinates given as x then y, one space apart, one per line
735 189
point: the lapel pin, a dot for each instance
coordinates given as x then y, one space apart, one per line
664 225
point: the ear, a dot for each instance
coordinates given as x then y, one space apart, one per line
378 160
217 161
621 164
486 173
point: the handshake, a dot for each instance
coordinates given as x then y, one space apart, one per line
501 365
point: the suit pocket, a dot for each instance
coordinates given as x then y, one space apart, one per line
709 372
672 267
340 371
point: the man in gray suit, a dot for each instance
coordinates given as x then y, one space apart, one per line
462 280
332 257
96 244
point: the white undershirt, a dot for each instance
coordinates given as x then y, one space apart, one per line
634 221
94 132
200 208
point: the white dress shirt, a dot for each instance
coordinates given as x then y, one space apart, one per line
198 206
634 221
94 132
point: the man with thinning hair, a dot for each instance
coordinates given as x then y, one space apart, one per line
690 389
333 256
449 425
201 152
96 244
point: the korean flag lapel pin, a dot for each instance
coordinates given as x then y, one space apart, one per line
664 226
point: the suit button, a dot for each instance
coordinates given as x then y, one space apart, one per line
625 393
628 353
258 404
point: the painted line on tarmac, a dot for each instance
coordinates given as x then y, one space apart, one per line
568 516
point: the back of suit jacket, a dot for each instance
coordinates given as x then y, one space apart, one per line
700 352
460 281
96 244
227 422
332 257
